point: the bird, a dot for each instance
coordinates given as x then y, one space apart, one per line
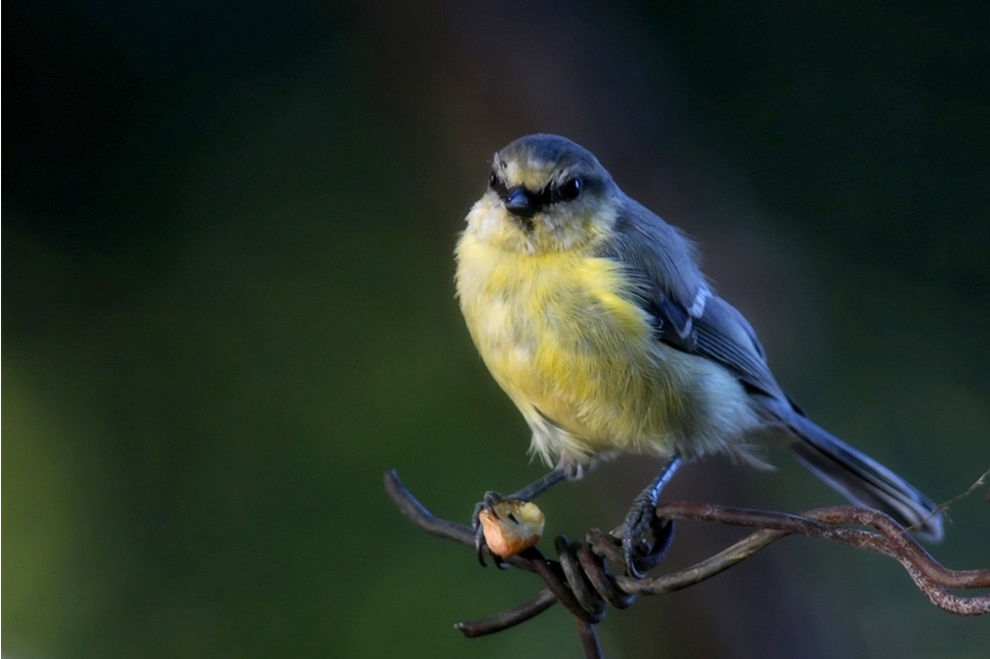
593 316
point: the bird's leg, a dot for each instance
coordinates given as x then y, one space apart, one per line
641 553
528 493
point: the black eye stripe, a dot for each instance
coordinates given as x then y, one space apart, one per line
498 185
552 193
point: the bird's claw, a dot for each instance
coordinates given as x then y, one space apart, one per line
480 544
640 551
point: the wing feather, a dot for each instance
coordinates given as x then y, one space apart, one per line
686 313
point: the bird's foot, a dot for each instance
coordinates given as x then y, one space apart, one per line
489 503
506 526
645 537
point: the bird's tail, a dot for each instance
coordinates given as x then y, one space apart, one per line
862 479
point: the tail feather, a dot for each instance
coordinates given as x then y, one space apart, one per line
862 479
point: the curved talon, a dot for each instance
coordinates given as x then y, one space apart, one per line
491 498
634 530
479 533
663 536
631 560
640 552
480 544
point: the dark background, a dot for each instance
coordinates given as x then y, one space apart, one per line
228 308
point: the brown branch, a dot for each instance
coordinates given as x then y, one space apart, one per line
831 524
509 618
580 581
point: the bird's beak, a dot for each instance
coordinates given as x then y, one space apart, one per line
520 202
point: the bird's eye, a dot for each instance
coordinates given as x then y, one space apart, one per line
569 189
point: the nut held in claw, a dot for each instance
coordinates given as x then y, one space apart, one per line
511 526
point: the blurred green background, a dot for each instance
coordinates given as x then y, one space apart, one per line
228 308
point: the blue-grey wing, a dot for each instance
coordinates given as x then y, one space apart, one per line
712 328
725 336
685 313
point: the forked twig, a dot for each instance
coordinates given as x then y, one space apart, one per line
580 581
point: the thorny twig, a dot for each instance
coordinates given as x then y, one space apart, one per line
579 579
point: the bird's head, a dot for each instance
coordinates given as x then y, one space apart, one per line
545 194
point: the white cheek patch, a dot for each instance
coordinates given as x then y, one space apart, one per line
485 218
491 221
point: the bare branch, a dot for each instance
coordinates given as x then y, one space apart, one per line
510 618
580 581
888 538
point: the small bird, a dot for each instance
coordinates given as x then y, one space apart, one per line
593 316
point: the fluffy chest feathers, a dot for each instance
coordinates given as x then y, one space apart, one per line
562 336
521 307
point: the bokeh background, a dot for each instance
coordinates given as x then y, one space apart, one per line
228 308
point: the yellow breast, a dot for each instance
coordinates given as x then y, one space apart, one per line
562 336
